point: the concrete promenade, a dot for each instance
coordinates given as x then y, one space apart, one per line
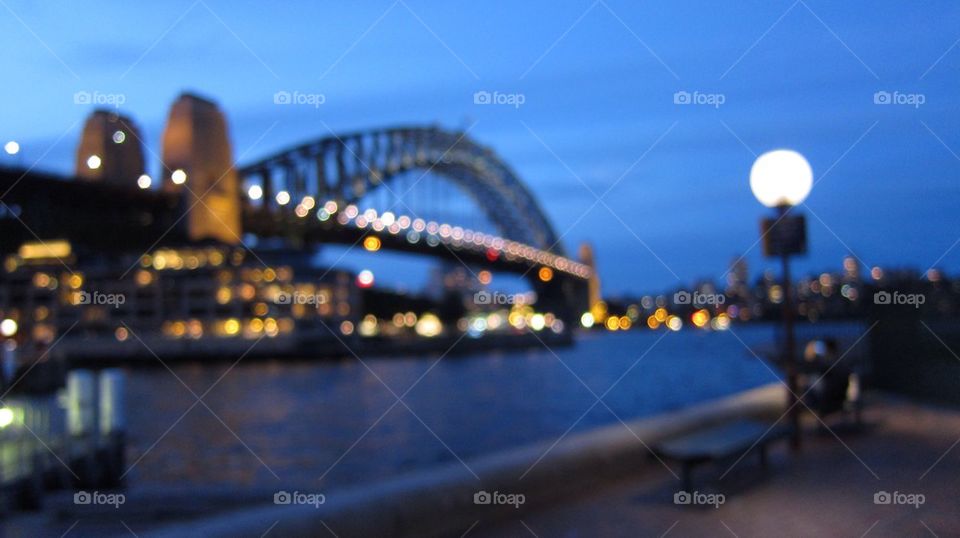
826 490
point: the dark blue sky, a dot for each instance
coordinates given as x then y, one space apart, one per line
598 81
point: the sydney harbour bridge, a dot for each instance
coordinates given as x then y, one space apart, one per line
363 188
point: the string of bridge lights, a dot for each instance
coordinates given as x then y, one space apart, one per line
432 233
415 229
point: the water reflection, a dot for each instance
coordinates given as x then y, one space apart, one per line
293 423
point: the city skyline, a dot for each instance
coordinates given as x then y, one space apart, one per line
409 268
877 166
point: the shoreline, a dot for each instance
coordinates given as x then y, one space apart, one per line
426 502
187 352
439 500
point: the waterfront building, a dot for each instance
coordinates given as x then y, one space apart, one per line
196 300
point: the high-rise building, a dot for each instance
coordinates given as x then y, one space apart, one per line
739 272
110 150
198 162
851 268
738 285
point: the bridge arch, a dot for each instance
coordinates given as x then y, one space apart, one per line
345 168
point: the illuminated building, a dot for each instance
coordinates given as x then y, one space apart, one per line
851 269
191 301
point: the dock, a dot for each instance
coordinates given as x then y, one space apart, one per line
73 439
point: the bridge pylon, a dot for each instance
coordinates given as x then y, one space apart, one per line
110 150
593 296
198 164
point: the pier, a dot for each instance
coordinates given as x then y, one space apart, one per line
73 439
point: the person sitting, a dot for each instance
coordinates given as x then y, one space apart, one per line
827 377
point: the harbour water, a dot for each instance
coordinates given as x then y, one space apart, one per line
272 424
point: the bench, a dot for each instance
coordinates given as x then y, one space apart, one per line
718 443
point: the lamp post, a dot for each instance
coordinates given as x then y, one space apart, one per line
782 179
8 345
12 148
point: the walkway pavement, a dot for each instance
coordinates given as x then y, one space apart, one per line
828 489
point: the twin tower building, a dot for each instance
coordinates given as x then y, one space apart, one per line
196 163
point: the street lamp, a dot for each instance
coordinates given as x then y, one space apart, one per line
782 179
12 148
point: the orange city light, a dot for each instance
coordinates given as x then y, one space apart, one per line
545 274
700 318
372 243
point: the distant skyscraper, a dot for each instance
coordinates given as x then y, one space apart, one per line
851 268
110 150
198 162
739 273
